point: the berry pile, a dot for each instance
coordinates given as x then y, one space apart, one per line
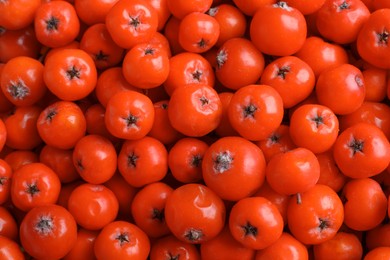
176 129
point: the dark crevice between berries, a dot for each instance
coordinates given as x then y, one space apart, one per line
249 110
337 167
196 160
193 235
249 229
123 238
132 160
283 71
2 30
81 102
223 162
343 198
323 224
18 90
73 72
44 226
52 24
221 58
32 189
158 214
43 55
383 37
197 75
11 111
356 146
101 56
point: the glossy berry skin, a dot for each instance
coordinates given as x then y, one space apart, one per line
129 115
187 217
293 172
121 240
255 222
255 111
316 215
362 150
48 232
314 127
232 160
194 110
281 18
